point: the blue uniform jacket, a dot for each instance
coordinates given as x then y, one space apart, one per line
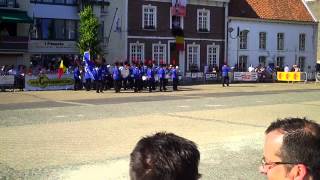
161 73
76 73
174 73
150 73
116 73
137 73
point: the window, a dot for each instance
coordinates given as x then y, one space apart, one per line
71 1
193 55
280 61
46 28
55 29
301 63
243 39
203 22
71 30
59 29
8 3
101 30
262 60
159 53
302 42
262 40
103 9
136 51
176 22
59 1
67 2
280 41
212 55
243 61
149 17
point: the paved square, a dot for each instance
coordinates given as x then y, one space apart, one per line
84 135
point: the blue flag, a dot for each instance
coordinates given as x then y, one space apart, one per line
89 66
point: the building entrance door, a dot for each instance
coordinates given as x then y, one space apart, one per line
173 54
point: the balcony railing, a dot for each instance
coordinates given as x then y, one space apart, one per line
13 43
9 4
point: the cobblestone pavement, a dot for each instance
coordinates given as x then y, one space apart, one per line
83 135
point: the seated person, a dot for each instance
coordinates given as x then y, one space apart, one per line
164 156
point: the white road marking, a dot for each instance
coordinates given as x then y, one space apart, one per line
80 115
214 105
183 106
75 103
61 116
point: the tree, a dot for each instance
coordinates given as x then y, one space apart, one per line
89 30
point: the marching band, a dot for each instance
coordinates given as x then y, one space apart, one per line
136 77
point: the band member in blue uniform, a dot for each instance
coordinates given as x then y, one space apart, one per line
144 69
98 78
77 78
117 78
131 77
162 77
174 76
137 78
151 80
104 72
125 75
109 77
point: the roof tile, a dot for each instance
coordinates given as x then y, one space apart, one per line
288 10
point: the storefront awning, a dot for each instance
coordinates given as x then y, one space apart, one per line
14 16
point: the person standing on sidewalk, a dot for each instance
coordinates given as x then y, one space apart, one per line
225 75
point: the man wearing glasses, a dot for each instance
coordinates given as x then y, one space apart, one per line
292 150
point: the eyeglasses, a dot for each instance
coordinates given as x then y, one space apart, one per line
269 165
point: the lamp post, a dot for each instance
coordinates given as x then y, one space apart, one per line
237 36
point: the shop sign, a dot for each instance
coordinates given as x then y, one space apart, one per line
52 44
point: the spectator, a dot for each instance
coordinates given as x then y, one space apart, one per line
251 68
164 156
292 150
286 68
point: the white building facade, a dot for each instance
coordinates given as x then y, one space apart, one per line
275 43
275 34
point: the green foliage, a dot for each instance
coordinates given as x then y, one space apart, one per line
89 29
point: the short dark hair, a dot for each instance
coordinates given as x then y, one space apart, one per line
164 156
301 142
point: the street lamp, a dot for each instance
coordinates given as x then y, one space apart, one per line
238 36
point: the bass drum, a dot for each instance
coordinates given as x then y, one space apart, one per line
144 78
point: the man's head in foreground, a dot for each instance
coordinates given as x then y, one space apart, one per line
164 156
292 150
